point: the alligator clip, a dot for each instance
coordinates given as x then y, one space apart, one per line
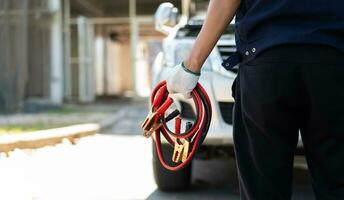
180 152
177 152
151 124
185 151
154 120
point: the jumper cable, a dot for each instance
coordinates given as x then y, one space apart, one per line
187 143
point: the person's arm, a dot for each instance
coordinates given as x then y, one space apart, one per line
184 77
220 13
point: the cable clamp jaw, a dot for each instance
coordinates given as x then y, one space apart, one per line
151 124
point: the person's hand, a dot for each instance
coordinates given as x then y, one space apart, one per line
182 80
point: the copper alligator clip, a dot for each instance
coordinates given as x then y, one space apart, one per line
154 120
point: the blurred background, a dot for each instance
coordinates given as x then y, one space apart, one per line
75 76
58 51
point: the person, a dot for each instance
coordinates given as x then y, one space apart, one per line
290 81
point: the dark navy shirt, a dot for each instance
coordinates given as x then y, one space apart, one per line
261 24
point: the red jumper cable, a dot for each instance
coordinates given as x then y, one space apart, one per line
185 144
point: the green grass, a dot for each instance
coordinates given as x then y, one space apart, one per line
66 111
17 129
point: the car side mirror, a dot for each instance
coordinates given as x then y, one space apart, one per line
166 17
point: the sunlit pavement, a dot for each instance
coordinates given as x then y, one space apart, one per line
98 167
114 165
109 167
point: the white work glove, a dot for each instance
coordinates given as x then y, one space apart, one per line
182 80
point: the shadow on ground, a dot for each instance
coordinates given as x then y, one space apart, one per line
217 180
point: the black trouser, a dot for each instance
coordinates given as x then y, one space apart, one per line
288 89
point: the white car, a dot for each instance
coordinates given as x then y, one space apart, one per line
215 79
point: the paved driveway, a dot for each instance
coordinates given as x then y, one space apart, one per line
114 165
111 167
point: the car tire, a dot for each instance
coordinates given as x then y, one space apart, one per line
170 180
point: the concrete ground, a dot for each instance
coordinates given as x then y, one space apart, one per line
112 167
115 164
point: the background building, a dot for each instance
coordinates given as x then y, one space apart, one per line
55 51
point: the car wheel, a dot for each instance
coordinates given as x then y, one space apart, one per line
170 180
